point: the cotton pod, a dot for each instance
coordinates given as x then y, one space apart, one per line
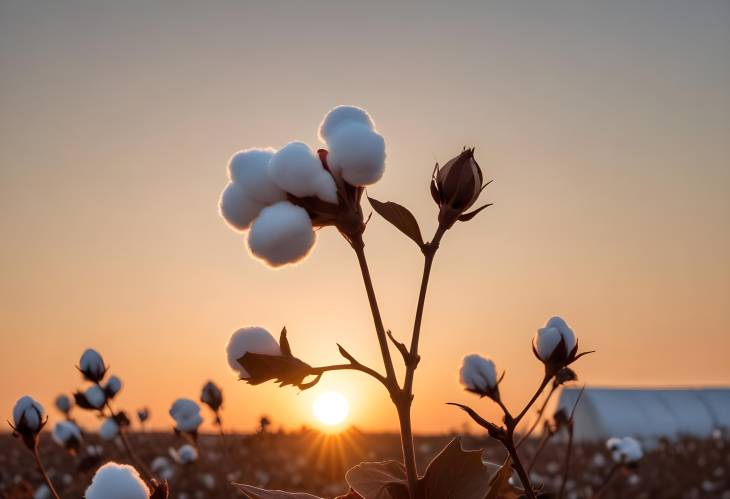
28 419
112 387
42 492
63 403
117 481
67 435
282 234
186 414
249 169
109 429
238 209
625 450
92 366
185 454
341 115
95 396
250 339
143 414
555 344
479 375
358 152
212 396
296 169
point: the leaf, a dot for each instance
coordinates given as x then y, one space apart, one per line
500 487
280 368
380 480
284 343
468 216
456 473
400 217
256 493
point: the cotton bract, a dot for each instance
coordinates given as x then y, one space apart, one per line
109 429
478 375
92 365
117 481
27 415
186 414
250 339
281 234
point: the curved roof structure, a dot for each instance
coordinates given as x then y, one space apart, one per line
647 414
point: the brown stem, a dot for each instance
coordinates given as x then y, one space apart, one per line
409 453
542 386
127 447
354 366
543 442
540 413
607 481
517 464
42 469
566 466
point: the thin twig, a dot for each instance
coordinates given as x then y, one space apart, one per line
42 469
540 414
569 451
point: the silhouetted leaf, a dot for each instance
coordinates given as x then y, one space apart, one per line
280 368
284 343
256 493
456 473
381 480
468 216
400 217
500 487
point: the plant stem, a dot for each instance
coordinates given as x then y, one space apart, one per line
566 466
42 469
517 464
409 453
132 455
540 413
542 386
607 481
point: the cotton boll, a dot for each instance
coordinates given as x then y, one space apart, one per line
281 234
92 365
250 339
185 454
63 403
545 341
27 415
211 395
109 429
249 169
478 375
113 386
117 481
358 152
66 433
237 208
296 169
186 414
42 492
624 450
341 115
95 396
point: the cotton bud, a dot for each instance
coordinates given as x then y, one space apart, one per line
117 481
186 414
28 420
282 234
342 115
109 429
250 170
63 404
555 345
626 450
250 339
67 435
479 375
456 187
358 153
185 454
112 387
212 396
143 414
93 398
92 366
296 169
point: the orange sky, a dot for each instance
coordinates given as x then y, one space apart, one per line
605 128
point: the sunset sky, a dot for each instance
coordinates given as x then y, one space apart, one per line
605 126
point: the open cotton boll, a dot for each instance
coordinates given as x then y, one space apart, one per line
109 429
185 454
478 374
63 403
358 152
567 333
42 492
296 169
250 339
238 209
281 234
117 481
27 415
545 341
249 169
113 386
186 414
341 115
624 450
95 396
64 432
92 365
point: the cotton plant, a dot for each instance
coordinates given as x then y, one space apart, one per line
29 419
68 436
186 415
277 198
626 453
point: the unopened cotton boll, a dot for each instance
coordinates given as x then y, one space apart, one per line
478 375
92 366
66 434
212 396
95 396
547 339
250 339
296 169
238 209
341 115
282 234
185 454
117 481
249 169
113 386
63 403
358 152
186 414
28 416
109 429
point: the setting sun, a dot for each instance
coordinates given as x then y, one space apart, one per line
331 408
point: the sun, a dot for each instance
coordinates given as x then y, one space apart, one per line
331 408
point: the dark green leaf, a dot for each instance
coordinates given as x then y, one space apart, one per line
400 217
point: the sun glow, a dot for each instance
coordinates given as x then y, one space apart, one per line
331 408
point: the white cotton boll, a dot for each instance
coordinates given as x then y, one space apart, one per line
28 414
250 170
185 454
186 414
95 396
42 492
624 450
478 374
545 341
567 333
109 429
117 481
250 339
113 386
63 403
358 152
237 208
92 365
281 234
341 115
296 169
64 432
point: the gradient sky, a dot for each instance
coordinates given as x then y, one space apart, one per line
605 125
